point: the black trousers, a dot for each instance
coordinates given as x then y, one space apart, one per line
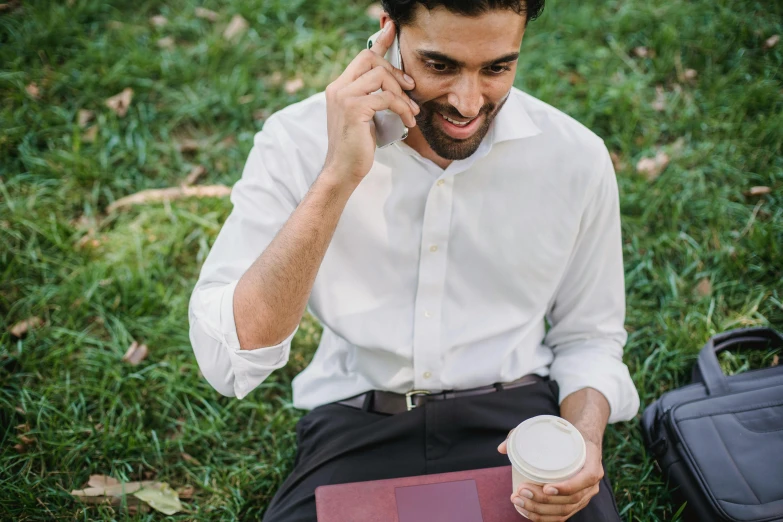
338 444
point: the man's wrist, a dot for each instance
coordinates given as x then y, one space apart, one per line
588 410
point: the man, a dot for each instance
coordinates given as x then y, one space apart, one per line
433 264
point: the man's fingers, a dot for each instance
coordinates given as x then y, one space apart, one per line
384 41
371 81
388 100
539 496
587 478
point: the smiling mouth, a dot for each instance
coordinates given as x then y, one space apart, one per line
456 122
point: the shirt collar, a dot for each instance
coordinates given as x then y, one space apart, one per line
513 121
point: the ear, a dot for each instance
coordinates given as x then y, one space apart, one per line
384 18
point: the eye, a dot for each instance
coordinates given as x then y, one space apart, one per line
437 67
499 69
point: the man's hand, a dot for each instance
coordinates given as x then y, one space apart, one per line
560 501
588 410
351 103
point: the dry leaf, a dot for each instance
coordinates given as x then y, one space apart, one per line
33 91
293 86
169 194
83 117
772 41
111 490
188 145
194 175
113 494
159 20
651 168
690 74
161 497
21 328
247 98
641 51
375 11
261 114
19 448
775 360
119 103
188 458
704 288
90 134
617 162
135 354
166 43
276 78
236 26
102 481
26 440
758 191
206 14
9 6
660 99
186 491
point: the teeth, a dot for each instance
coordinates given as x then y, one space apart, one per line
457 123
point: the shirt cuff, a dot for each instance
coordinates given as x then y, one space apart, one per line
247 368
592 364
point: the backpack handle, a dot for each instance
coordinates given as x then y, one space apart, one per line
707 368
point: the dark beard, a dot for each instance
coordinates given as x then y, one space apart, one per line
444 145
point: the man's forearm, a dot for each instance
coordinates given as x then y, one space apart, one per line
588 410
271 296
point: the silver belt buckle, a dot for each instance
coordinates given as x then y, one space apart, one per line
409 402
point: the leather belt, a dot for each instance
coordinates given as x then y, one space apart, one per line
380 401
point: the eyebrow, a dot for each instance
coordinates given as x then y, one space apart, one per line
434 55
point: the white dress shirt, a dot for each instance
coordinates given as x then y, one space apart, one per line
435 279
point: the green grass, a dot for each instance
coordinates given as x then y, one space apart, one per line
88 412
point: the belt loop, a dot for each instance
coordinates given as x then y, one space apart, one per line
368 400
498 387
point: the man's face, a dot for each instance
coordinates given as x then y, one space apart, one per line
463 68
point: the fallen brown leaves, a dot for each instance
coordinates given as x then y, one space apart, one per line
135 354
169 194
166 43
137 496
159 21
206 14
119 103
772 41
294 85
21 328
83 117
235 28
194 175
33 90
758 191
704 288
651 168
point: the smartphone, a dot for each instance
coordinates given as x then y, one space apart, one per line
389 127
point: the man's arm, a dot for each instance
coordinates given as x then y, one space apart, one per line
271 296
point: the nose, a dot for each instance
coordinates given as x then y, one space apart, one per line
466 96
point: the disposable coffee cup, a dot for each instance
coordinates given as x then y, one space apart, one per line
543 450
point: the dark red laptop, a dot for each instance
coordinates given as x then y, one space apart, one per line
476 495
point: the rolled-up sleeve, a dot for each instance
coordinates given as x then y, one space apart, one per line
265 196
587 315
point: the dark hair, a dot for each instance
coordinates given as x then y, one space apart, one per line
401 11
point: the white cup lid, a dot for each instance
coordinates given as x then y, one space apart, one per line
547 449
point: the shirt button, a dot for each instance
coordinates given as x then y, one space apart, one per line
434 248
427 313
441 182
427 375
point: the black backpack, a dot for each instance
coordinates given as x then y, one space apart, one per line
719 440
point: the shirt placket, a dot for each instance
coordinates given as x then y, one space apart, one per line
429 292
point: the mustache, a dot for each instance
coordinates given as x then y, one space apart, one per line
453 113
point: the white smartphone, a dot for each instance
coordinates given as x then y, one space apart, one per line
389 127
